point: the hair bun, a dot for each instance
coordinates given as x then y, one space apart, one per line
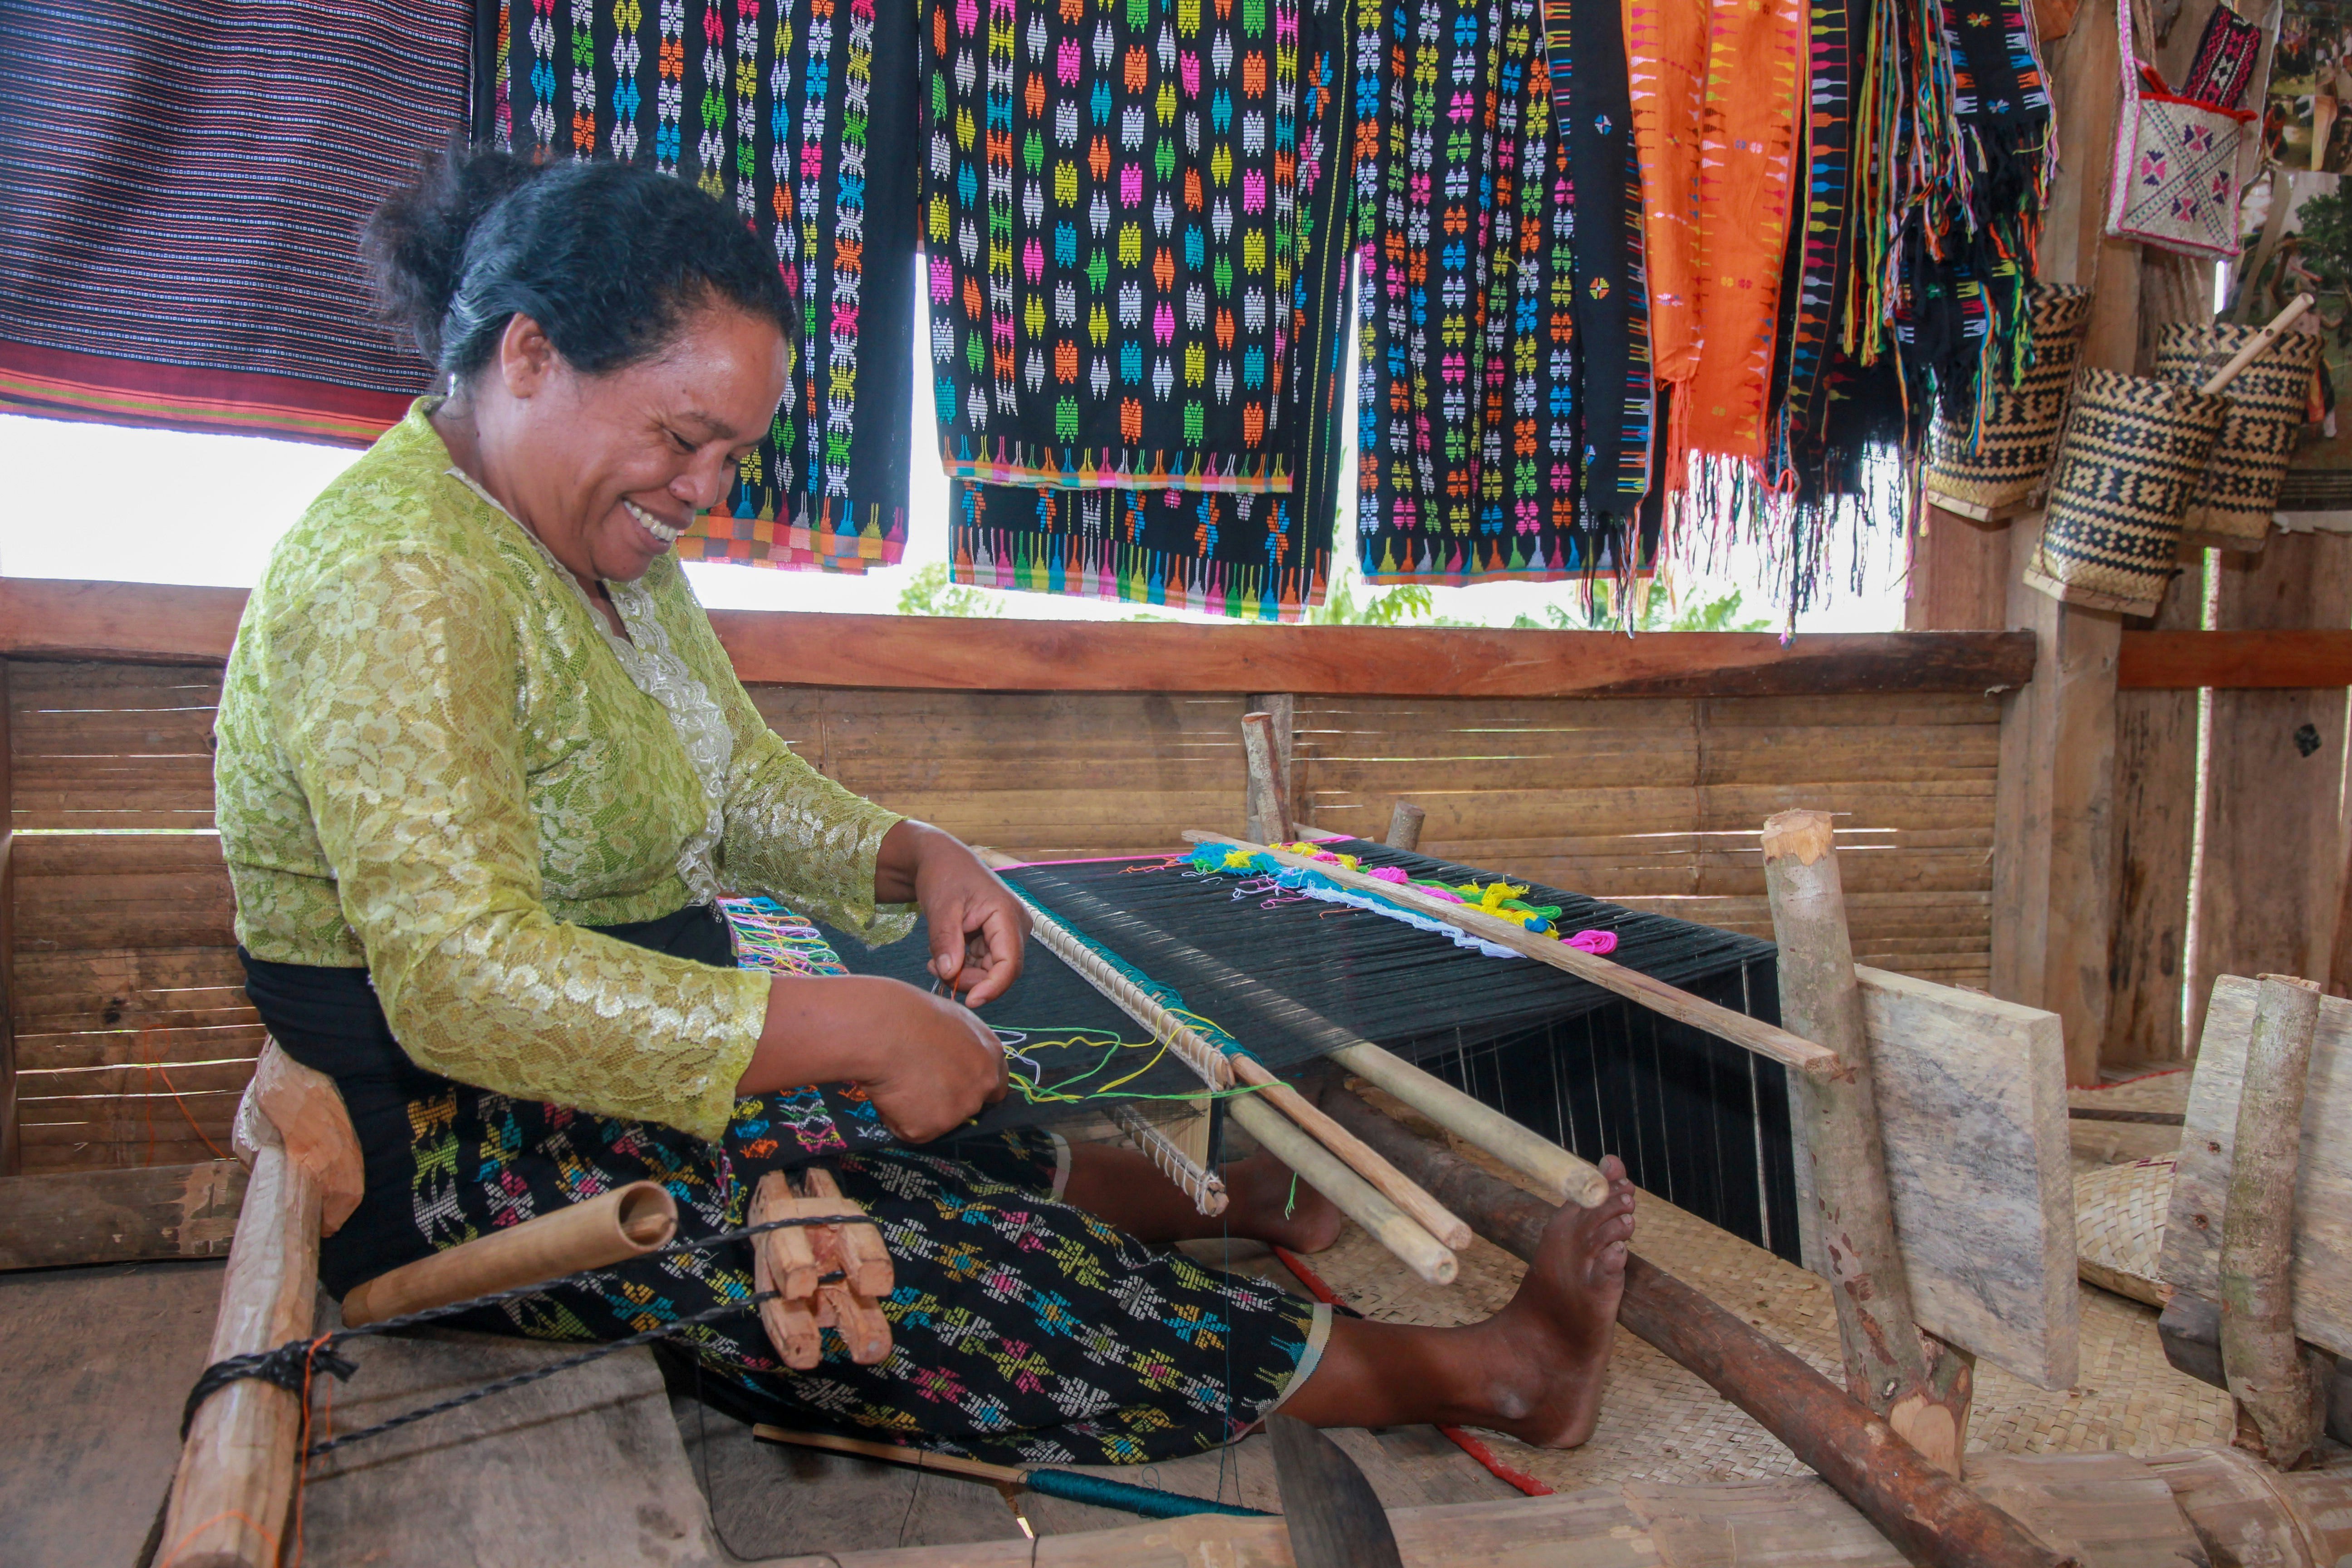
416 242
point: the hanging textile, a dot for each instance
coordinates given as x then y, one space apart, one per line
1823 249
184 189
1748 174
803 114
1111 210
1465 228
1585 48
1234 553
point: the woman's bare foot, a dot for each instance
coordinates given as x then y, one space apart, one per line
1264 1203
1558 1329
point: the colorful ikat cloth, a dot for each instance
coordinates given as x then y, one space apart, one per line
1472 423
1111 202
803 114
1250 555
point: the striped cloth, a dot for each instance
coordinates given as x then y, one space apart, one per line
185 185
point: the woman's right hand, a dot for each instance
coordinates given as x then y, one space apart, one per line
928 1064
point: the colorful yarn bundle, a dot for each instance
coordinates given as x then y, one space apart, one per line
770 937
1504 901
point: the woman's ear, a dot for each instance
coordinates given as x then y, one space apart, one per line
527 359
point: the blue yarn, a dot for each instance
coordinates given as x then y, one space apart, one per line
1167 996
1079 1487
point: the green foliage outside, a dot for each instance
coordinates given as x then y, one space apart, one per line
929 593
2326 233
1717 615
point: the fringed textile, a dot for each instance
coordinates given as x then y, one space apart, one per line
1823 251
1585 49
1465 230
2224 64
1112 227
805 114
1241 554
185 187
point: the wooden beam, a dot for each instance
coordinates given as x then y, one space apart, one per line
151 1212
146 624
2243 660
1959 576
2268 884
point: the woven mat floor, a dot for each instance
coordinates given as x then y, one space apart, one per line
1660 1423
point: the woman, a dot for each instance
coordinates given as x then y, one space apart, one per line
483 771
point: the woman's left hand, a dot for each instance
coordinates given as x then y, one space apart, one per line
978 925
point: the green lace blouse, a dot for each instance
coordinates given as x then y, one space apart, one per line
435 760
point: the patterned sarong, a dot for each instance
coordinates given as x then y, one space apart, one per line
183 188
1254 556
1111 211
804 113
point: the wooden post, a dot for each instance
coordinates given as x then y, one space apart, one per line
2275 1389
1281 709
1959 576
2156 831
1270 811
1404 825
2268 884
12 1155
1923 1509
1925 1395
238 1466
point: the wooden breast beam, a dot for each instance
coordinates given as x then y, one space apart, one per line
1764 1039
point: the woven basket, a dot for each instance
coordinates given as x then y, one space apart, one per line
2134 452
2232 508
2009 454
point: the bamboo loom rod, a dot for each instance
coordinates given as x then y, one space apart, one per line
1318 1166
1564 1177
627 1222
2245 356
1764 1039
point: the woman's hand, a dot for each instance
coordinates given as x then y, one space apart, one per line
978 925
928 1065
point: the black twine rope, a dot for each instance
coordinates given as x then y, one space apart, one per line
291 1365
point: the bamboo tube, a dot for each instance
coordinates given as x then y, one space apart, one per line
1776 1044
1887 1365
1563 1177
626 1223
2254 346
1355 1197
2277 1396
236 1469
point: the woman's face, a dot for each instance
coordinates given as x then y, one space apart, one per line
609 470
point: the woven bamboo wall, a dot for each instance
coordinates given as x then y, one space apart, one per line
133 1039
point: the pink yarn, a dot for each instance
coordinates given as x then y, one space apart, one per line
1387 874
1599 944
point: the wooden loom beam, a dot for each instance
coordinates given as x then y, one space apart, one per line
1775 1044
1920 1508
1922 1390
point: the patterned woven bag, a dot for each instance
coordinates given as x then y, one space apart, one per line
2232 507
2133 455
2009 454
2175 180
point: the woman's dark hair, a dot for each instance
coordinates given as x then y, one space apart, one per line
606 257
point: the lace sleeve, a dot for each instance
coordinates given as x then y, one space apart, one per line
393 688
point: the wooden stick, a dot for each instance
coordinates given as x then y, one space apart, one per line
2278 1399
2261 341
1404 825
308 1110
1887 1365
1354 1196
1266 781
784 1262
896 1454
1203 1058
1196 1181
1776 1044
1385 1178
236 1469
626 1223
1923 1509
851 1306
